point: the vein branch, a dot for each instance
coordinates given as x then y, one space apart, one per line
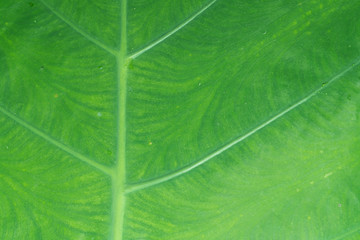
145 184
167 35
56 143
79 30
352 231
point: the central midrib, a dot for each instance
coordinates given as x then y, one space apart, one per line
119 173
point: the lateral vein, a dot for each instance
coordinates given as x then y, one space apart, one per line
79 30
167 35
56 143
356 229
145 184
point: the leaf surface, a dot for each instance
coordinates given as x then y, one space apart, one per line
186 119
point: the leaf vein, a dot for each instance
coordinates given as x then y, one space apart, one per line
56 143
355 230
169 34
79 30
155 181
118 178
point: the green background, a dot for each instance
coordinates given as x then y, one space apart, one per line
191 119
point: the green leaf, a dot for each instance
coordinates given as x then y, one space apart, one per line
193 119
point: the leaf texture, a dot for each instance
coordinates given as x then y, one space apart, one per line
195 119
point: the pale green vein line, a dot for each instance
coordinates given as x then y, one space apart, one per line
141 185
79 30
164 37
118 178
356 229
56 143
